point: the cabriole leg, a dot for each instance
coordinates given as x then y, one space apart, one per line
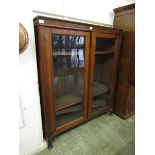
50 145
110 111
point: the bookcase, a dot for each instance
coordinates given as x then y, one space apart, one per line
77 71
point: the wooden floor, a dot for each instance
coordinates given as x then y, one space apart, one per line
105 135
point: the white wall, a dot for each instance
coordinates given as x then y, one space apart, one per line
94 11
30 135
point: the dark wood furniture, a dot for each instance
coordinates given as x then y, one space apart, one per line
77 68
125 97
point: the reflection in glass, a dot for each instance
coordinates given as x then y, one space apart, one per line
68 66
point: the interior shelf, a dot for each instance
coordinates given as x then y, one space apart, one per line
99 89
66 118
62 46
63 53
103 52
99 103
67 71
66 101
71 109
108 51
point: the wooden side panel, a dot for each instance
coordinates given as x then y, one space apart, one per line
123 22
131 100
132 69
42 75
125 75
125 17
120 100
126 55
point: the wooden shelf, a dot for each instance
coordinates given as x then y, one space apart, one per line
70 47
109 51
66 101
67 71
99 103
100 89
65 119
103 52
75 108
62 53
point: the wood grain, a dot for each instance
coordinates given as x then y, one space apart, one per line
125 18
52 107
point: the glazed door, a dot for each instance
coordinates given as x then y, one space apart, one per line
69 57
104 59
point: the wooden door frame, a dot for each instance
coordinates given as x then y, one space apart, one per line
50 31
92 66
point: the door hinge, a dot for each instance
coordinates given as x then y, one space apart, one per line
46 36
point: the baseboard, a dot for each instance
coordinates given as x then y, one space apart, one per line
38 149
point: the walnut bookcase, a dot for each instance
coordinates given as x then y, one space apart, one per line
77 70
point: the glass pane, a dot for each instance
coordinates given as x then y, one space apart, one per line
68 67
102 73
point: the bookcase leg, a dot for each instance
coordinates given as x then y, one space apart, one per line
110 111
50 145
